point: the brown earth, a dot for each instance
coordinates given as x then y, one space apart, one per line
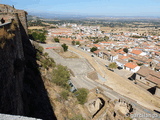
68 54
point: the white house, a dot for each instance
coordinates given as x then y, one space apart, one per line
121 63
137 52
86 49
131 67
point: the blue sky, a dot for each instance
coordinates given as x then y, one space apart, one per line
90 7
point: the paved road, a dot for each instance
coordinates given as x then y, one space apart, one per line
80 67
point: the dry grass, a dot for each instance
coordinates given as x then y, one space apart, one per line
35 27
4 35
68 54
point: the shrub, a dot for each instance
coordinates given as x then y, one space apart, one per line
77 43
81 95
73 42
41 37
56 40
93 49
60 76
112 65
64 94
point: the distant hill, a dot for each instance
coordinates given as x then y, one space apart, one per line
50 15
32 17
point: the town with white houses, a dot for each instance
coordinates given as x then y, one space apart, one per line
130 51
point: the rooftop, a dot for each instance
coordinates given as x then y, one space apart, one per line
130 65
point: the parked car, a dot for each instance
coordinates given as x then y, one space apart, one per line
111 70
119 68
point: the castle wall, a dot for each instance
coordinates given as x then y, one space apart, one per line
11 74
8 13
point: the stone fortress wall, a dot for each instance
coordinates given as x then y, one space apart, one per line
22 90
11 54
8 12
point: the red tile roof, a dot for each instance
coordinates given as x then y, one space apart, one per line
150 75
124 57
130 65
96 45
96 52
137 52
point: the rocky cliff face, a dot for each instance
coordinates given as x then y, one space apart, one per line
21 87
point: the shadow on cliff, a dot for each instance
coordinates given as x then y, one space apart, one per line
35 98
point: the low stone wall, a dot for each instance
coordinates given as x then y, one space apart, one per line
14 117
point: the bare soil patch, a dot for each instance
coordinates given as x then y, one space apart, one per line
68 54
35 27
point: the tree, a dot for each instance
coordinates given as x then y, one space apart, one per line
125 50
65 47
56 40
106 38
73 42
42 37
34 35
93 49
38 36
112 65
81 95
77 43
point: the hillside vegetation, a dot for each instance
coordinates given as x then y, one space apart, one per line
56 78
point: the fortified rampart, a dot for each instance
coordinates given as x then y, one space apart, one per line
11 72
8 13
22 91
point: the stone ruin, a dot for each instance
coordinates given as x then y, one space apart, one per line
101 107
123 107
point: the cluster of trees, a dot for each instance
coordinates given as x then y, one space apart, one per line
75 42
60 76
38 36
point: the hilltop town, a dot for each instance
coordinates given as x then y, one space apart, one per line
123 60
